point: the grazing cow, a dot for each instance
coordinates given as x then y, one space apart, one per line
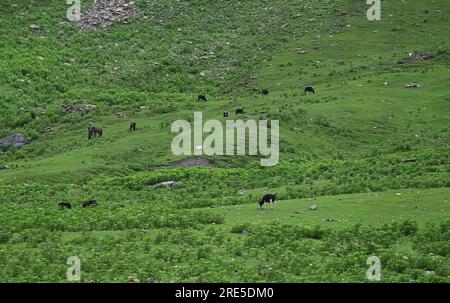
64 205
201 98
309 89
267 198
265 92
132 126
98 132
89 203
225 113
239 111
412 85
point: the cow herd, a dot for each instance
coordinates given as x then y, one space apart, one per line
264 92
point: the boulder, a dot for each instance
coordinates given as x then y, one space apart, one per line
168 184
17 140
313 207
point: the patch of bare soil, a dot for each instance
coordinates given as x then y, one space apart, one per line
195 161
103 13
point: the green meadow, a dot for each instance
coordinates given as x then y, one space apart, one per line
341 149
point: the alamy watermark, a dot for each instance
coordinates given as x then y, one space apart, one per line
190 140
374 11
374 271
74 11
74 271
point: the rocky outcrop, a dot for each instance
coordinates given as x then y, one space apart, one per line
103 13
76 108
17 140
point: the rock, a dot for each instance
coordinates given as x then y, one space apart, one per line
120 115
17 140
313 207
47 129
411 160
133 279
241 192
34 26
168 184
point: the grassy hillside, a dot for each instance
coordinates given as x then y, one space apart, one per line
340 148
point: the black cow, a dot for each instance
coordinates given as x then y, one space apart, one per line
309 89
265 92
64 205
239 111
225 114
201 98
267 198
89 203
132 126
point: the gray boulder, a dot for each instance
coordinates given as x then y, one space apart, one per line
167 184
314 207
17 140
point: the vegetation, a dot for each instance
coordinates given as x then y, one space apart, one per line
341 149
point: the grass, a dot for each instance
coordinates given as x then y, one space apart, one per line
377 208
340 148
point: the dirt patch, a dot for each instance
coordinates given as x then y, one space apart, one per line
103 13
191 162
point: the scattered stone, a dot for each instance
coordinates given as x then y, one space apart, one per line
35 26
76 108
103 13
133 279
416 56
17 140
241 193
313 207
120 115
